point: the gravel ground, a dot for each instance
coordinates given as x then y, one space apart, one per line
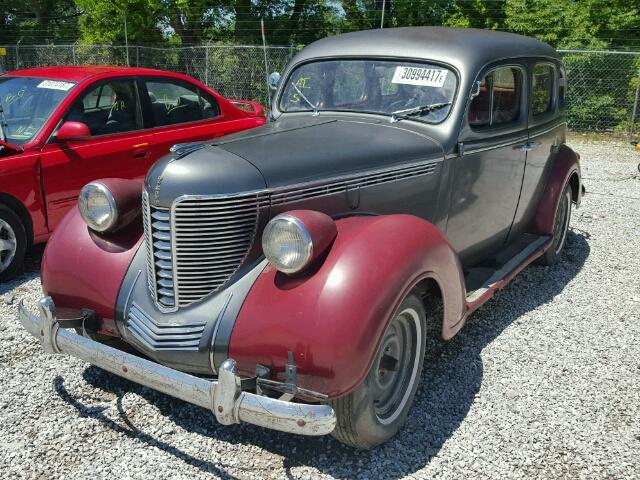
543 382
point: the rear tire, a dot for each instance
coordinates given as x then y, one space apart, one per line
13 243
378 408
560 229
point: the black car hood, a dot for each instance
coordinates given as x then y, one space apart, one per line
285 153
294 151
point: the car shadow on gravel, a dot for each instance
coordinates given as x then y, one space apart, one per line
30 270
450 382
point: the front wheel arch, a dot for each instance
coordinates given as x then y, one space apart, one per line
21 211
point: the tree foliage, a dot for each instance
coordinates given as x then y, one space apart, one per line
562 23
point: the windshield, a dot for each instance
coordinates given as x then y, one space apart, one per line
372 86
27 103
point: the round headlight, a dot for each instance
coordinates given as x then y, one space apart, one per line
98 207
287 244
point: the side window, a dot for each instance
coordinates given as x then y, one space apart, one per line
108 108
174 103
542 89
499 99
562 87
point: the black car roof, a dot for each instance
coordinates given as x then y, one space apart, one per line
465 48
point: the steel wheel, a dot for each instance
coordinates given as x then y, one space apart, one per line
8 245
396 365
562 222
560 229
375 411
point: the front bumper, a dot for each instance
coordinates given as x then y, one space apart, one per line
224 397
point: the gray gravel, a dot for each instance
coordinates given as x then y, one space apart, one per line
543 382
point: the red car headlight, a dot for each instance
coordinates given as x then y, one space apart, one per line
110 204
292 241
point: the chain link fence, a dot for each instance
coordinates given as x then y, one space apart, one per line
602 93
234 71
602 90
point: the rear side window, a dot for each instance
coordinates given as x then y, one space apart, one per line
174 103
542 89
499 99
562 87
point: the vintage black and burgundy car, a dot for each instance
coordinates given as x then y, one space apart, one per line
280 276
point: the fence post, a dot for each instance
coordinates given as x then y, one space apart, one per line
635 108
137 56
18 56
73 53
206 65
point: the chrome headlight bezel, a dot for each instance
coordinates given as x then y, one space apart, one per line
98 189
274 249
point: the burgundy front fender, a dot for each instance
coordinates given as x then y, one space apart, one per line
83 269
333 318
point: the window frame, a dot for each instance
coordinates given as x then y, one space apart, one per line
522 109
149 118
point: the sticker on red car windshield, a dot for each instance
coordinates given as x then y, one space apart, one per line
55 85
425 77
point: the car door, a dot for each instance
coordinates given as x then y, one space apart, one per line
547 127
117 146
488 175
181 112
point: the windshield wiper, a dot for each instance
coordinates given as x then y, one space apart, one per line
416 111
315 107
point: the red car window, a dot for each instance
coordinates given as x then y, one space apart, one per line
174 103
108 108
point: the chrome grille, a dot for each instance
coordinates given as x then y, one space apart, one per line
195 248
212 236
157 232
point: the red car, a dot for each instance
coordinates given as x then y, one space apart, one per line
61 127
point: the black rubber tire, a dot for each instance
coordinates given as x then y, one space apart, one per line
561 227
12 219
358 423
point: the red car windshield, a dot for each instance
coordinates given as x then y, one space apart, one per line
26 104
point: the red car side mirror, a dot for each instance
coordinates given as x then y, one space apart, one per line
73 131
254 109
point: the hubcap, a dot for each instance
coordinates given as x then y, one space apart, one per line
395 368
7 245
562 223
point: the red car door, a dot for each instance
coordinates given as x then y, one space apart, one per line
183 112
116 148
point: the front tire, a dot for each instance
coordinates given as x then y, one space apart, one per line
13 243
560 229
378 408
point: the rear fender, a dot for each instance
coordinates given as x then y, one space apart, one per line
333 317
566 168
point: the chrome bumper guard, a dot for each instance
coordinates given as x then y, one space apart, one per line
223 397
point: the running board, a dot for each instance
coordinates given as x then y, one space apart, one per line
482 281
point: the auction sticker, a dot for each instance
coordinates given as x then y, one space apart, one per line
55 85
426 77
